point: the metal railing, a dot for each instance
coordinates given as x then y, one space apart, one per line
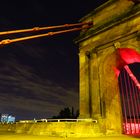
58 120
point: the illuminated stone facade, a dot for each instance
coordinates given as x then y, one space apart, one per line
116 24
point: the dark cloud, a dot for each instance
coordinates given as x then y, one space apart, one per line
24 90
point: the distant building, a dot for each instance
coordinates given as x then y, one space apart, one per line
6 118
11 119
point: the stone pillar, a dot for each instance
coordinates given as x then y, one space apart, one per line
90 99
95 86
84 86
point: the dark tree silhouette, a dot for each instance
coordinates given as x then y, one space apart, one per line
135 1
67 113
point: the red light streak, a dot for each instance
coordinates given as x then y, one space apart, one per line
132 76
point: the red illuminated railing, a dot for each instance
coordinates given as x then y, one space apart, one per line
131 128
130 99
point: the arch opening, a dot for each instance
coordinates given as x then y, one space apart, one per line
129 84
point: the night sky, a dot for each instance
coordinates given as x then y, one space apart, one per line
39 77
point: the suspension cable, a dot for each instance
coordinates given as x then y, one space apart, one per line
35 29
85 25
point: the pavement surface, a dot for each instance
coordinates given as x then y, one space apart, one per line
8 136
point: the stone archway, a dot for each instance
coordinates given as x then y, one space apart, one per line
109 45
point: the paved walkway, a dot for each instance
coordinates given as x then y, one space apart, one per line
30 137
